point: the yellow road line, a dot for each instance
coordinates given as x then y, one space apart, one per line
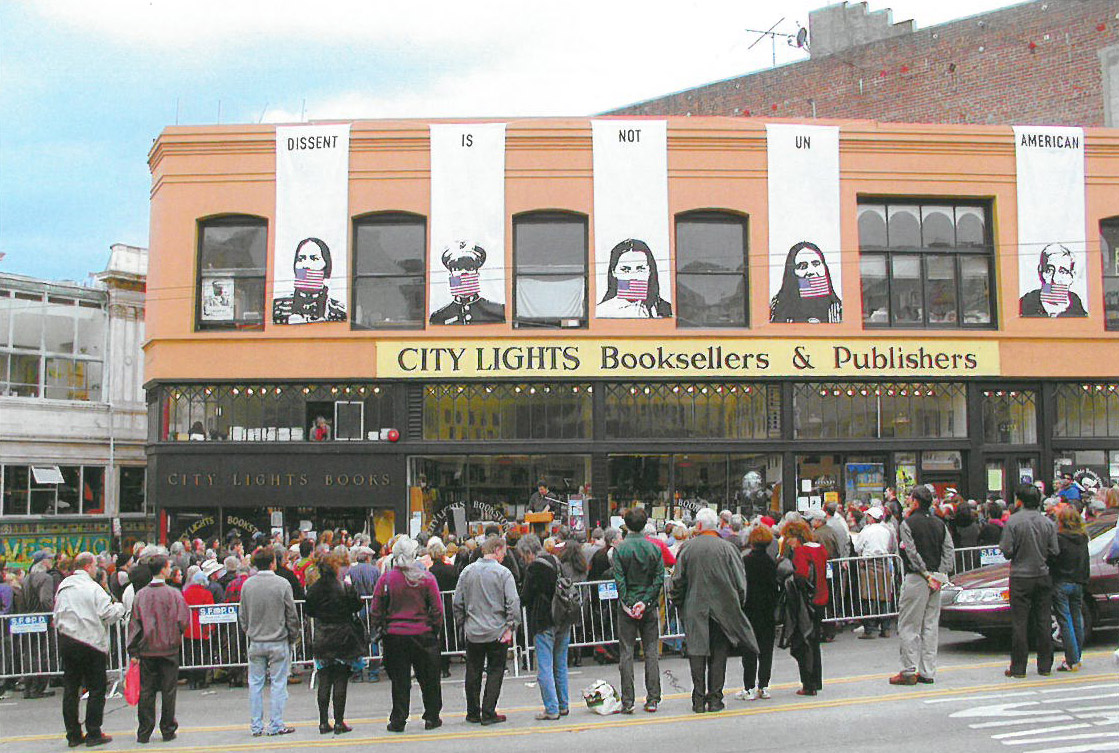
600 722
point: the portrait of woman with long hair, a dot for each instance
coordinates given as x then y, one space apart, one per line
807 293
633 284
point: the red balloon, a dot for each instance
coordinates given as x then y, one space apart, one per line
394 435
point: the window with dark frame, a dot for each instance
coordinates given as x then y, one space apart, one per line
926 264
1109 245
712 287
550 259
232 264
390 253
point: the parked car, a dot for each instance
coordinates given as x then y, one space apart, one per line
979 600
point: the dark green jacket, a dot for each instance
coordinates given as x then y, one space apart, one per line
638 570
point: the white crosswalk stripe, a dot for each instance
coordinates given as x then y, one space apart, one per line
1050 720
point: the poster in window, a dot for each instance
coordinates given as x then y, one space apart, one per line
467 255
805 275
217 299
312 209
632 271
1052 259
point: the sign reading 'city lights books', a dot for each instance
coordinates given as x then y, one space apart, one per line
631 358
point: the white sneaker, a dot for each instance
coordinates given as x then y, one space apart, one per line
763 693
743 695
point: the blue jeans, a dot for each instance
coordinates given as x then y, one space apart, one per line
271 659
1068 604
551 668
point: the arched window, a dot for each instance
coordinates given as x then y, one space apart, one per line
1109 244
232 259
390 252
550 259
712 287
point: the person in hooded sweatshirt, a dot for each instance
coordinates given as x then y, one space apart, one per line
1070 571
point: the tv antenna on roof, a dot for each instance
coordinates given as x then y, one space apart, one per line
799 40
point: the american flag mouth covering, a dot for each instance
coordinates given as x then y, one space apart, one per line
465 284
633 290
813 287
1054 294
309 279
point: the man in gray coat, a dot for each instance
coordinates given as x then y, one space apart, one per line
1029 540
709 585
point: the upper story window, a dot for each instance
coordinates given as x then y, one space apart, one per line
232 261
926 265
550 258
51 346
711 282
389 271
1109 243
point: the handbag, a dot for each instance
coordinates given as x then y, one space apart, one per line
132 683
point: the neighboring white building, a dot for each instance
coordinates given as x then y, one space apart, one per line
72 412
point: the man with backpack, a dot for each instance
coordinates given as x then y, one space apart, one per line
553 605
639 573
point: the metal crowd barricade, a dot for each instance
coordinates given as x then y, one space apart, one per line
975 557
29 647
863 587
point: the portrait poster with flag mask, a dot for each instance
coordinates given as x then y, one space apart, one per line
310 279
632 271
805 276
1052 258
467 253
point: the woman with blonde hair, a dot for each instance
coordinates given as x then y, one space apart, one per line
1070 571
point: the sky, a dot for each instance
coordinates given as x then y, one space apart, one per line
86 86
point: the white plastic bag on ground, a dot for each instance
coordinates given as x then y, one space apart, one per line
602 698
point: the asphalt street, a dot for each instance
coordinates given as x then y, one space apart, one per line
971 707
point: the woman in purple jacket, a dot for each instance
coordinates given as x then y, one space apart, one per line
408 611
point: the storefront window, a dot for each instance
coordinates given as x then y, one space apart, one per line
275 412
488 484
507 411
825 410
1009 417
839 478
232 261
714 410
674 486
1087 410
1091 469
53 490
132 489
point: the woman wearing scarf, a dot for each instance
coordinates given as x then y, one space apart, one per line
408 611
196 647
338 645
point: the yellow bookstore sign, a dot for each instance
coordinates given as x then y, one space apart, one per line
684 359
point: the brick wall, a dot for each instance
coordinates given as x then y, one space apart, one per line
1034 63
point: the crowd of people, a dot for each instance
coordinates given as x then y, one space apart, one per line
742 587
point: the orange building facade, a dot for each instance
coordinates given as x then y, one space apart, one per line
932 372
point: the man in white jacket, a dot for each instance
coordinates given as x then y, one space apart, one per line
83 612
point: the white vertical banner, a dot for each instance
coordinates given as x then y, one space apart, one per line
632 269
1052 258
805 259
467 253
310 258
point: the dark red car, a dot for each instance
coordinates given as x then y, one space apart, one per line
979 601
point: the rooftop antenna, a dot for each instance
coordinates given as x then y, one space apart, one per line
799 40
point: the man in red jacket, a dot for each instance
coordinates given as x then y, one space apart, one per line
155 633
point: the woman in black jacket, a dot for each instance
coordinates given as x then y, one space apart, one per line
761 603
338 644
1070 571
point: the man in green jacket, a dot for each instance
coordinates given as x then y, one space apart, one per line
639 573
